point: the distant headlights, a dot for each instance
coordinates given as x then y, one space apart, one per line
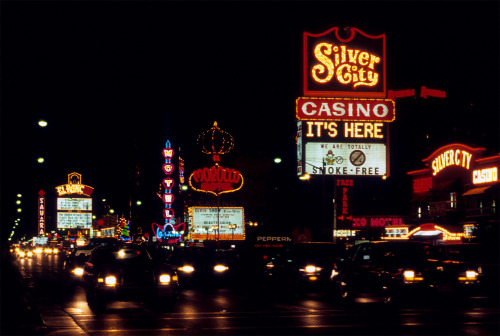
469 276
410 276
310 269
186 269
220 268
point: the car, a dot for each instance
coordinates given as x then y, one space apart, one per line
74 263
204 266
129 273
467 269
304 266
387 270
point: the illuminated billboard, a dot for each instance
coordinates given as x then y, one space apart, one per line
74 220
207 225
360 159
74 213
344 63
74 204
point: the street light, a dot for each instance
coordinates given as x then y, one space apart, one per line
42 123
232 227
40 160
277 160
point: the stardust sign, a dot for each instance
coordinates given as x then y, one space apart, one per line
344 63
360 159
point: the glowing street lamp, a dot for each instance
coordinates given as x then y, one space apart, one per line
277 160
40 160
42 123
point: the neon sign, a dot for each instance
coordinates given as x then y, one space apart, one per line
41 213
169 232
485 175
216 180
334 66
457 155
74 186
357 130
345 109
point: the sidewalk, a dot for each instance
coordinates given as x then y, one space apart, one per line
17 315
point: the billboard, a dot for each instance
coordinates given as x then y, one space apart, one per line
207 225
74 220
332 158
74 204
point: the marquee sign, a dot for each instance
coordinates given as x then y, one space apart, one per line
378 110
344 67
74 212
216 180
223 223
360 159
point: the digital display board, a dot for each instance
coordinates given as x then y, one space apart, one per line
204 223
74 204
73 220
346 158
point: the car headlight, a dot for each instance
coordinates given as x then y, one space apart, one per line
110 280
310 269
220 268
410 275
186 269
21 254
30 254
469 276
165 279
78 271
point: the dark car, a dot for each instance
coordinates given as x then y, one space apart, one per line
304 265
204 266
390 270
467 269
129 273
74 264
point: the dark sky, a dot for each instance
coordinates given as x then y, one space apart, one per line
114 80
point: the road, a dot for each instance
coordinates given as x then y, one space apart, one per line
253 310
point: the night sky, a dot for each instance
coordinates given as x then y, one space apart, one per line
115 80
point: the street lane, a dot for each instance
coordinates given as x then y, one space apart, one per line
245 311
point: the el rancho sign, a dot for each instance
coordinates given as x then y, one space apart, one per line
350 66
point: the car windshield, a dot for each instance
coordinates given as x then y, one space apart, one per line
122 256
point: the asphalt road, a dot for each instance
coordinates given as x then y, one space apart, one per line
34 301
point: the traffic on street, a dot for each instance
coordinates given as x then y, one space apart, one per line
245 306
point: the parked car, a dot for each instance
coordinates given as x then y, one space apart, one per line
304 266
390 270
467 269
204 266
129 273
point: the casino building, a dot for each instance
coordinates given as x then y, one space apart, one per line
456 195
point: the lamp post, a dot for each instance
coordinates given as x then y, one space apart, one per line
232 227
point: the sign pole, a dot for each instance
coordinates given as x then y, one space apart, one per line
334 211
